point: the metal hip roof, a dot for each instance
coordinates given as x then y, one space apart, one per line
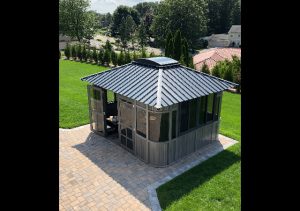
158 86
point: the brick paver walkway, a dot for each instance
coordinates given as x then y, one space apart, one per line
96 174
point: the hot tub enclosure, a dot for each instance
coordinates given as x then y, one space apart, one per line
165 110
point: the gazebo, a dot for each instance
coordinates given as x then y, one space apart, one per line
162 111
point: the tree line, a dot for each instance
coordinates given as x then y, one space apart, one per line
227 70
104 56
140 23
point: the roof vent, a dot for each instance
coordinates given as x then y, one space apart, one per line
157 61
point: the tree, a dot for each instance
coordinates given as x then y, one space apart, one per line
114 58
135 56
75 20
177 45
205 69
95 56
122 12
126 30
74 53
216 71
228 74
67 51
143 53
168 47
127 57
106 57
181 60
142 35
191 64
121 59
79 52
101 57
185 51
84 57
108 46
188 16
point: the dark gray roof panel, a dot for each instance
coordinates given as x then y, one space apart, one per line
158 85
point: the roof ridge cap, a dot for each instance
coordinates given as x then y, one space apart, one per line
159 88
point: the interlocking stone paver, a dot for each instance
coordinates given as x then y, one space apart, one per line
97 174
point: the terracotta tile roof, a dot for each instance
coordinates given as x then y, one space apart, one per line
213 55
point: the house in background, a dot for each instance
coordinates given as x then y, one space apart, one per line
213 55
231 39
234 35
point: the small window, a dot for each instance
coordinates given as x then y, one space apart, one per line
126 113
141 122
184 116
158 126
202 113
174 123
192 113
209 108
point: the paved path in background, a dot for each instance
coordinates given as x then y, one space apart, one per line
96 174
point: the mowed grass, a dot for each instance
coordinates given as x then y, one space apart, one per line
73 101
214 184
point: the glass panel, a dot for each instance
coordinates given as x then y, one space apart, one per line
192 113
129 133
209 111
184 116
126 110
130 144
123 140
158 126
110 96
202 113
123 131
141 122
217 106
174 124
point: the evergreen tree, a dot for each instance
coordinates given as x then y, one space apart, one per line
79 52
95 56
67 51
121 59
205 68
171 48
89 55
167 45
84 57
101 57
135 56
108 46
114 58
127 57
185 51
191 64
177 45
106 57
181 60
228 74
142 34
74 52
143 53
216 71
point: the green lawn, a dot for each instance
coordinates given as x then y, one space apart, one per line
73 102
216 183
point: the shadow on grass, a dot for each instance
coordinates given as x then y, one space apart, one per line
195 177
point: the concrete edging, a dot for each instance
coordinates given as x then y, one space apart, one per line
154 202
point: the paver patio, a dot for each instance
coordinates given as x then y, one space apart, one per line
96 174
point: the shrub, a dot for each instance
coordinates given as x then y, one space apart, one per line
143 53
74 54
89 55
95 56
228 74
79 52
127 57
108 46
134 56
107 58
59 55
101 57
205 68
121 60
216 71
114 58
181 60
67 51
83 54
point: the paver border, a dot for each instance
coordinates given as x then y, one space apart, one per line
154 202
